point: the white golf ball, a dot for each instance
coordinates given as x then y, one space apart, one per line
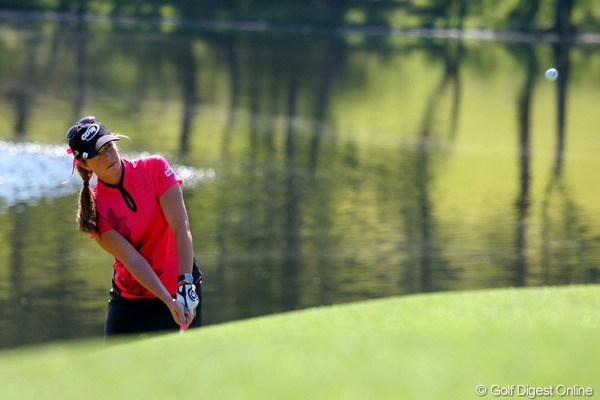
551 74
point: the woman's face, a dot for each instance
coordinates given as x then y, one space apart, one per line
106 164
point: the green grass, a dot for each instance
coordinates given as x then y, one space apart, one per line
438 346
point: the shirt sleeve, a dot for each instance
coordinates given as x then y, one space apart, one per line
103 224
165 175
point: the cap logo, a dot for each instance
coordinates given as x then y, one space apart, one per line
90 132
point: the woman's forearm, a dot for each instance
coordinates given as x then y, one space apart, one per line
173 206
145 275
185 252
114 243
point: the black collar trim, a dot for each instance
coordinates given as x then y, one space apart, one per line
126 196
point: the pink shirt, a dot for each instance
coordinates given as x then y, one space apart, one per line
146 228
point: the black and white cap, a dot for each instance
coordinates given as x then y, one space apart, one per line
87 137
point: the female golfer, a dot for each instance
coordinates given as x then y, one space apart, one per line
136 212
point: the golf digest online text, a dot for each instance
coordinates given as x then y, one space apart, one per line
533 392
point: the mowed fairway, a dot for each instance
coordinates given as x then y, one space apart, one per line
438 346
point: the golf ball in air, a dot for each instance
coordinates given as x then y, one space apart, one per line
551 74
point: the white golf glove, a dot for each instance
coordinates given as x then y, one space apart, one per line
187 296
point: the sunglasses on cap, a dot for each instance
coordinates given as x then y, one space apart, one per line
75 128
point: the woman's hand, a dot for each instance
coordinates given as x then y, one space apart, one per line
177 312
190 318
188 298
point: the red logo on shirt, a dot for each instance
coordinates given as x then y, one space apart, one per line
119 224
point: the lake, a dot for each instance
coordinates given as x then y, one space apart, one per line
320 167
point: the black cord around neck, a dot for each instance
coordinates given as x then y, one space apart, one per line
126 196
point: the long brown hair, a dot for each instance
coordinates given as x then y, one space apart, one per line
87 215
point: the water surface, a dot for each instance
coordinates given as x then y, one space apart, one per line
320 169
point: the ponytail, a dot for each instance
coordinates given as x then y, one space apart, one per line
87 217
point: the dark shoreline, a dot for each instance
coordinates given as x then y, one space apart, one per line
310 29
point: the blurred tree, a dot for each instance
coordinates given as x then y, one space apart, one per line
562 21
523 15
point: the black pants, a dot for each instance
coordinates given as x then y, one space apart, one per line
127 316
